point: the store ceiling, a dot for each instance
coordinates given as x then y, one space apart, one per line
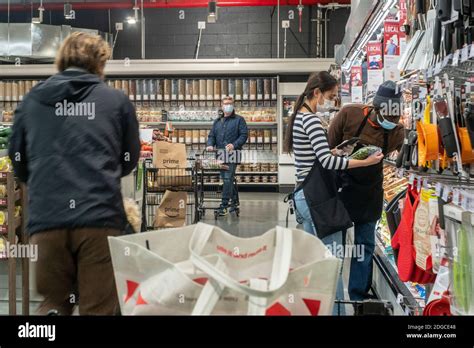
114 4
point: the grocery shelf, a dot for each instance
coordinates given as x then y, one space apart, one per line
4 228
4 200
204 124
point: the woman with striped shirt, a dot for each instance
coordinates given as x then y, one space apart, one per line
307 139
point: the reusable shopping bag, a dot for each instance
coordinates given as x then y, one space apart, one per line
201 269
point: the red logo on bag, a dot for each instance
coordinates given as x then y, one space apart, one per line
131 288
277 310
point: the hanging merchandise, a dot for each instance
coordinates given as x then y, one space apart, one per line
422 231
428 142
403 241
356 84
438 301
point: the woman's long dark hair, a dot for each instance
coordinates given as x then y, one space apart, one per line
320 80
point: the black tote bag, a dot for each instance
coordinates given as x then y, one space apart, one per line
328 212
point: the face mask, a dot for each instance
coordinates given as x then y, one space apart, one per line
326 106
385 124
228 109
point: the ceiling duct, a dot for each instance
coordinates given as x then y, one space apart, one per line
35 42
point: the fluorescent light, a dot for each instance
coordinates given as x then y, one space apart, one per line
131 20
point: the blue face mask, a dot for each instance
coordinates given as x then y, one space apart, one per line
385 124
228 109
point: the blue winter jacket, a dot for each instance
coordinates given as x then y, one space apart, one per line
228 130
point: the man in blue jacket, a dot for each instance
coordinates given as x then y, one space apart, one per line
228 134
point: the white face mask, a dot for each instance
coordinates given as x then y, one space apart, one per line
326 106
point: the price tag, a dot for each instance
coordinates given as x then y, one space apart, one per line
188 97
411 179
145 97
446 60
181 96
259 97
446 191
456 58
456 197
438 189
209 97
465 54
139 97
246 96
152 96
429 72
173 97
274 96
267 96
260 140
159 96
465 202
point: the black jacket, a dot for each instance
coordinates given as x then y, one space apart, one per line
73 139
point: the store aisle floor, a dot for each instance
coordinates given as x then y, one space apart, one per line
259 212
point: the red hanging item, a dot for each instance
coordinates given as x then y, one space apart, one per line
403 241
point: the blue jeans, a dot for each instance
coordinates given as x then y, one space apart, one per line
229 190
360 279
303 216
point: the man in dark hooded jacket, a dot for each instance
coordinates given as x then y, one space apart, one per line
73 139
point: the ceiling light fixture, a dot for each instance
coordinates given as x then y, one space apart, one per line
212 8
39 19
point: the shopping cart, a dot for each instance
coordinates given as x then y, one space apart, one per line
210 184
158 181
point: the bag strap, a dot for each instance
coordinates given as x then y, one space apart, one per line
280 268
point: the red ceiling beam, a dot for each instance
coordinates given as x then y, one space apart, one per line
169 4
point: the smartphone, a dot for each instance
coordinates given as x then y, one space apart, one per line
347 143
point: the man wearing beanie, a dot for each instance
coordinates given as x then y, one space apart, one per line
362 192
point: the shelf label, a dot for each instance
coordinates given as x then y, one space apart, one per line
188 97
456 57
202 140
202 97
173 97
267 140
267 96
465 202
456 197
217 96
274 139
246 96
446 191
145 97
152 97
274 96
465 54
259 139
181 96
259 97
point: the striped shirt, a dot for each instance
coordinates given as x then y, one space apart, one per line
310 142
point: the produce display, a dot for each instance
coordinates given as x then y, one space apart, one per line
365 152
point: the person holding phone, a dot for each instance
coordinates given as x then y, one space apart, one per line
377 125
307 140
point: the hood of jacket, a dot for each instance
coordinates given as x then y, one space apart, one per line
71 85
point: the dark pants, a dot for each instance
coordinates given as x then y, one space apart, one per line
360 279
229 191
72 262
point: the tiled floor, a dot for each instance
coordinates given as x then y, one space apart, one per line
259 213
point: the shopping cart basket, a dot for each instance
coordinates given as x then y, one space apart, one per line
158 181
367 307
210 184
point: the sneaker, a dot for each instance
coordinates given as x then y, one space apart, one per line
234 207
222 212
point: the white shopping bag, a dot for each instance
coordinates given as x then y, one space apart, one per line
201 269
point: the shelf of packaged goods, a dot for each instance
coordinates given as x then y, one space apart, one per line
4 200
243 183
4 228
205 124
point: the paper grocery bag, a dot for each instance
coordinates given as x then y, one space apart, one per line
169 155
172 210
